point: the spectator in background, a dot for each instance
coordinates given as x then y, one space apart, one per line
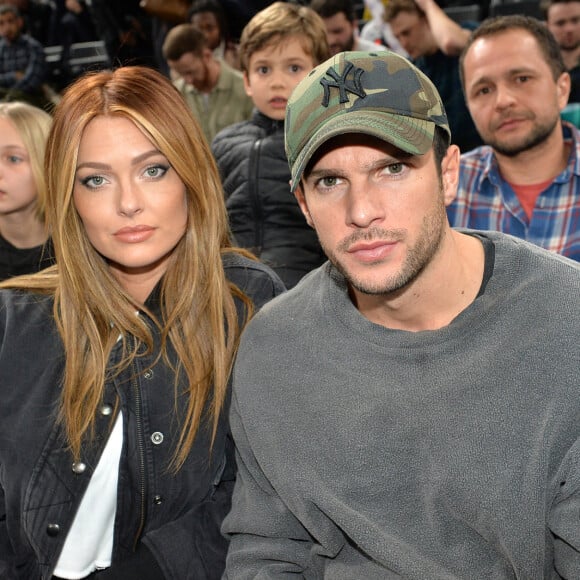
526 180
376 29
563 20
22 63
213 90
434 42
209 17
341 25
126 30
278 48
24 246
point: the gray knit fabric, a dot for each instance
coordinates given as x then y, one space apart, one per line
370 453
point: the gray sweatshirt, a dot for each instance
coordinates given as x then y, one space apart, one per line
370 453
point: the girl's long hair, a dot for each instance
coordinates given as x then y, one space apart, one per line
199 316
33 125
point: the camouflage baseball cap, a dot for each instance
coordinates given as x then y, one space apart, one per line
376 93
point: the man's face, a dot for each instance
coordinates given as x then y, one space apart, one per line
192 68
379 213
208 23
412 31
339 33
564 23
10 26
511 93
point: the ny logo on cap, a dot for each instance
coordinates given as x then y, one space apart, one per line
343 85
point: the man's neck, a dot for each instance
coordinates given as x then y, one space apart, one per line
446 287
212 77
571 57
543 162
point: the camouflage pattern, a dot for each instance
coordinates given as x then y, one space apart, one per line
376 93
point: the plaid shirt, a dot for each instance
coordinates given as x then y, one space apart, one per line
486 202
27 55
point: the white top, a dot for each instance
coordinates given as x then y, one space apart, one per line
89 543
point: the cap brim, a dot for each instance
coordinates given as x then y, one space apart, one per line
409 134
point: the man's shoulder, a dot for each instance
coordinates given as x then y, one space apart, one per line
549 269
295 308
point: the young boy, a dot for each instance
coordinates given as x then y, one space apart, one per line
278 47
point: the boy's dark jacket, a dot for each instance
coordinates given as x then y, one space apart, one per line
263 213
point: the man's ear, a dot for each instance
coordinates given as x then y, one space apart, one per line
563 86
299 195
247 86
450 173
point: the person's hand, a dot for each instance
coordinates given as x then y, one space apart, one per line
18 74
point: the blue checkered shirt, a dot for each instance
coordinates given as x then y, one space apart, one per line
25 54
486 202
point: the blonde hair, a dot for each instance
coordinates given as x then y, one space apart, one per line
91 309
281 20
33 125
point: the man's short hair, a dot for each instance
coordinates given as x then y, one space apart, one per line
330 8
396 7
545 6
500 24
182 39
279 21
9 8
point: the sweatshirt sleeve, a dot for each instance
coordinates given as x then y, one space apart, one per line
266 540
564 516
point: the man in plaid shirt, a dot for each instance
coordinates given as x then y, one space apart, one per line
22 61
526 180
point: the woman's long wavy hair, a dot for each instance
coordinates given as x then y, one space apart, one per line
199 316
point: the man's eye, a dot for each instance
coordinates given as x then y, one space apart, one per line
394 168
328 181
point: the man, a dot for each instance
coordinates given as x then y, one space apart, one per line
213 90
563 21
410 409
526 180
342 26
22 63
434 42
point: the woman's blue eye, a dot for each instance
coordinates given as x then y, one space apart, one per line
156 171
93 181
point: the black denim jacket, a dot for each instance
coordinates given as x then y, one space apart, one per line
175 518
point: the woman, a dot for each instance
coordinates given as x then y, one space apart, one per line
23 232
115 450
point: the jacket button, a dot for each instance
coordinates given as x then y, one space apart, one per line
157 438
106 410
53 530
157 500
79 467
148 374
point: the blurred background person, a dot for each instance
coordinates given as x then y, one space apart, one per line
210 18
22 61
24 237
213 90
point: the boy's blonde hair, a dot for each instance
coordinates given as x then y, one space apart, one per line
279 21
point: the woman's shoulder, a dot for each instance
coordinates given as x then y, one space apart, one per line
255 279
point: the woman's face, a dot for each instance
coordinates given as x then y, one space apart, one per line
131 201
17 187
